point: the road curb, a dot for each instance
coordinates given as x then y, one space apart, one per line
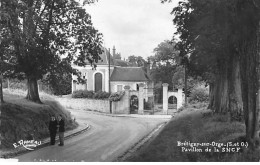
44 143
127 115
140 143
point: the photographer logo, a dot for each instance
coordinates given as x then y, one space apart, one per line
28 144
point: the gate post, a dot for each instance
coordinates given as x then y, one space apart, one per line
179 99
165 97
73 86
141 99
127 99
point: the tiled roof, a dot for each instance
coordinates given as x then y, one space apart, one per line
129 74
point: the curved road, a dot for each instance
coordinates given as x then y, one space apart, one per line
107 139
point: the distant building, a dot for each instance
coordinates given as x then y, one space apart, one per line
120 76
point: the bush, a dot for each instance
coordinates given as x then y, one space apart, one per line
18 84
101 95
5 84
116 96
82 94
199 95
90 94
59 83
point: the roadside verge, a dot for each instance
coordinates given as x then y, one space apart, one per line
137 146
45 142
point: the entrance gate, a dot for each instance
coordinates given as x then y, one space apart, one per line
166 94
134 104
124 105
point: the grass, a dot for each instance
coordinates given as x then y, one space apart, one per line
196 126
22 119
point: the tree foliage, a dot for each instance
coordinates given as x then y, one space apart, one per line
48 35
167 68
136 61
221 41
164 62
58 83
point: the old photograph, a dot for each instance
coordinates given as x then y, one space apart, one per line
129 81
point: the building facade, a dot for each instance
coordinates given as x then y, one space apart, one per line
99 79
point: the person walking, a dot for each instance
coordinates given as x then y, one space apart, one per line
53 129
61 127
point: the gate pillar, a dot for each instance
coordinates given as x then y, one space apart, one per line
141 99
179 98
127 99
165 97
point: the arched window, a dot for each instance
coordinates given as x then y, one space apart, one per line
98 82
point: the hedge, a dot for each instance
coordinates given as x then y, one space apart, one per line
90 94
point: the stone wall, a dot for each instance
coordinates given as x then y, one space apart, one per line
122 106
85 104
118 107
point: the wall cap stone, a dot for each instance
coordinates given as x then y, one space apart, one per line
165 84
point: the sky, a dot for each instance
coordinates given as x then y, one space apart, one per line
134 27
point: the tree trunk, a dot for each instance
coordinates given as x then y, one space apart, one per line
185 84
211 96
250 87
1 101
256 123
219 91
235 92
1 89
225 91
33 93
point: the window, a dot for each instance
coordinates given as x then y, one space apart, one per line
84 75
119 88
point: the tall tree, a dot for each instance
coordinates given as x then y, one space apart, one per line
164 62
49 34
205 36
5 51
136 61
166 53
58 81
223 39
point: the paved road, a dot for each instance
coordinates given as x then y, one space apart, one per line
108 138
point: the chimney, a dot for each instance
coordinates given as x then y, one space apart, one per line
114 51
